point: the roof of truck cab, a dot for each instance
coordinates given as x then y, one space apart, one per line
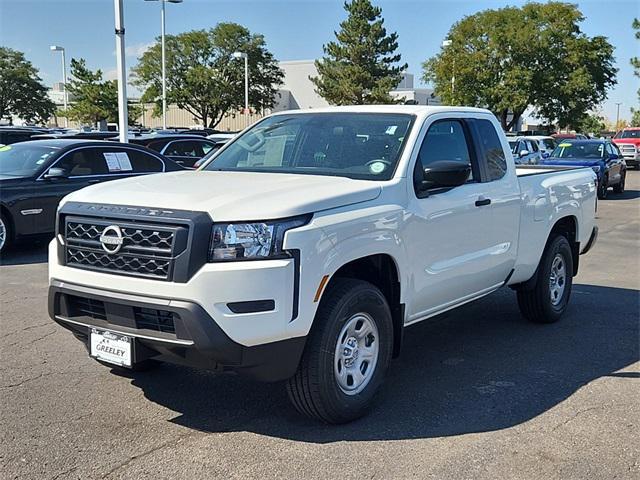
422 110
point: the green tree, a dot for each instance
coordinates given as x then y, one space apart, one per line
512 58
590 124
93 99
635 61
361 66
21 90
204 78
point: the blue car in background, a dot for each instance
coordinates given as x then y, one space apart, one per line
601 155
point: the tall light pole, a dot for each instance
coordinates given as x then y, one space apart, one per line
239 55
56 48
123 120
618 115
164 64
447 43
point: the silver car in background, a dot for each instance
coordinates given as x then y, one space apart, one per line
525 150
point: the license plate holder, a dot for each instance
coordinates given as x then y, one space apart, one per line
111 347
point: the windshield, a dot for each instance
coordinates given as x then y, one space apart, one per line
579 150
23 159
628 134
363 146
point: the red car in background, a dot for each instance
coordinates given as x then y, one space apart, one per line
628 141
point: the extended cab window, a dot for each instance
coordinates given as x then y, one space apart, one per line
445 140
355 145
492 152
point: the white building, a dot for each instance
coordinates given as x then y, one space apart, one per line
298 92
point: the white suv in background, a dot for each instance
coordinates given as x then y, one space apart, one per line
525 150
545 144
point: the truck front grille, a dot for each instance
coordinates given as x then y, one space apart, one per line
627 150
146 250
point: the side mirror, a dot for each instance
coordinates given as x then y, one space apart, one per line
55 173
524 153
445 173
546 155
612 156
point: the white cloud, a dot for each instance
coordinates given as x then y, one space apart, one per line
137 49
110 74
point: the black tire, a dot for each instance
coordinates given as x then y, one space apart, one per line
536 304
5 224
314 389
603 188
619 188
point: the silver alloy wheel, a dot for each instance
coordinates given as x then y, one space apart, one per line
3 234
557 279
356 354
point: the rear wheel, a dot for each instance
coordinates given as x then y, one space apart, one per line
548 300
603 188
619 188
347 354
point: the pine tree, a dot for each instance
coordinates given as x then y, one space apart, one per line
361 66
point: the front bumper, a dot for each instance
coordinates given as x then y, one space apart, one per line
195 338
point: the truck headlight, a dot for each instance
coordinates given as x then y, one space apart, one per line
251 240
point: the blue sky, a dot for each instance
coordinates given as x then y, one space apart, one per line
294 29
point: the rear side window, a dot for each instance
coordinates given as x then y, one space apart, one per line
445 140
185 148
142 162
83 162
534 146
549 144
492 153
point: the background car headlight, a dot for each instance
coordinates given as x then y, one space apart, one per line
251 240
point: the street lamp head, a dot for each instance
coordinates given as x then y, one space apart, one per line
239 55
56 48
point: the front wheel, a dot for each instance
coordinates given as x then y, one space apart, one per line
548 300
347 353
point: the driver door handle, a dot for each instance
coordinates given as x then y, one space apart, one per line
481 202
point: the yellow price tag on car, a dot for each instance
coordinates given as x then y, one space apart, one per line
564 145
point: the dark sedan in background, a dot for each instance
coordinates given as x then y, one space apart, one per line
185 150
35 175
602 156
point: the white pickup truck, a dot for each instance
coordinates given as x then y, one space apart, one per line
307 245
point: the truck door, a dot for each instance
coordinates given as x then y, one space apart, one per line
449 238
500 178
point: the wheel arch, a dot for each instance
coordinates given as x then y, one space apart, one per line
566 226
381 270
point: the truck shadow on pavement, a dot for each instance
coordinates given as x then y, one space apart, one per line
479 368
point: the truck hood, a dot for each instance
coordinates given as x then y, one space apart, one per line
628 141
232 196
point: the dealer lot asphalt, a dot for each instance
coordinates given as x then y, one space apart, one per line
477 393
